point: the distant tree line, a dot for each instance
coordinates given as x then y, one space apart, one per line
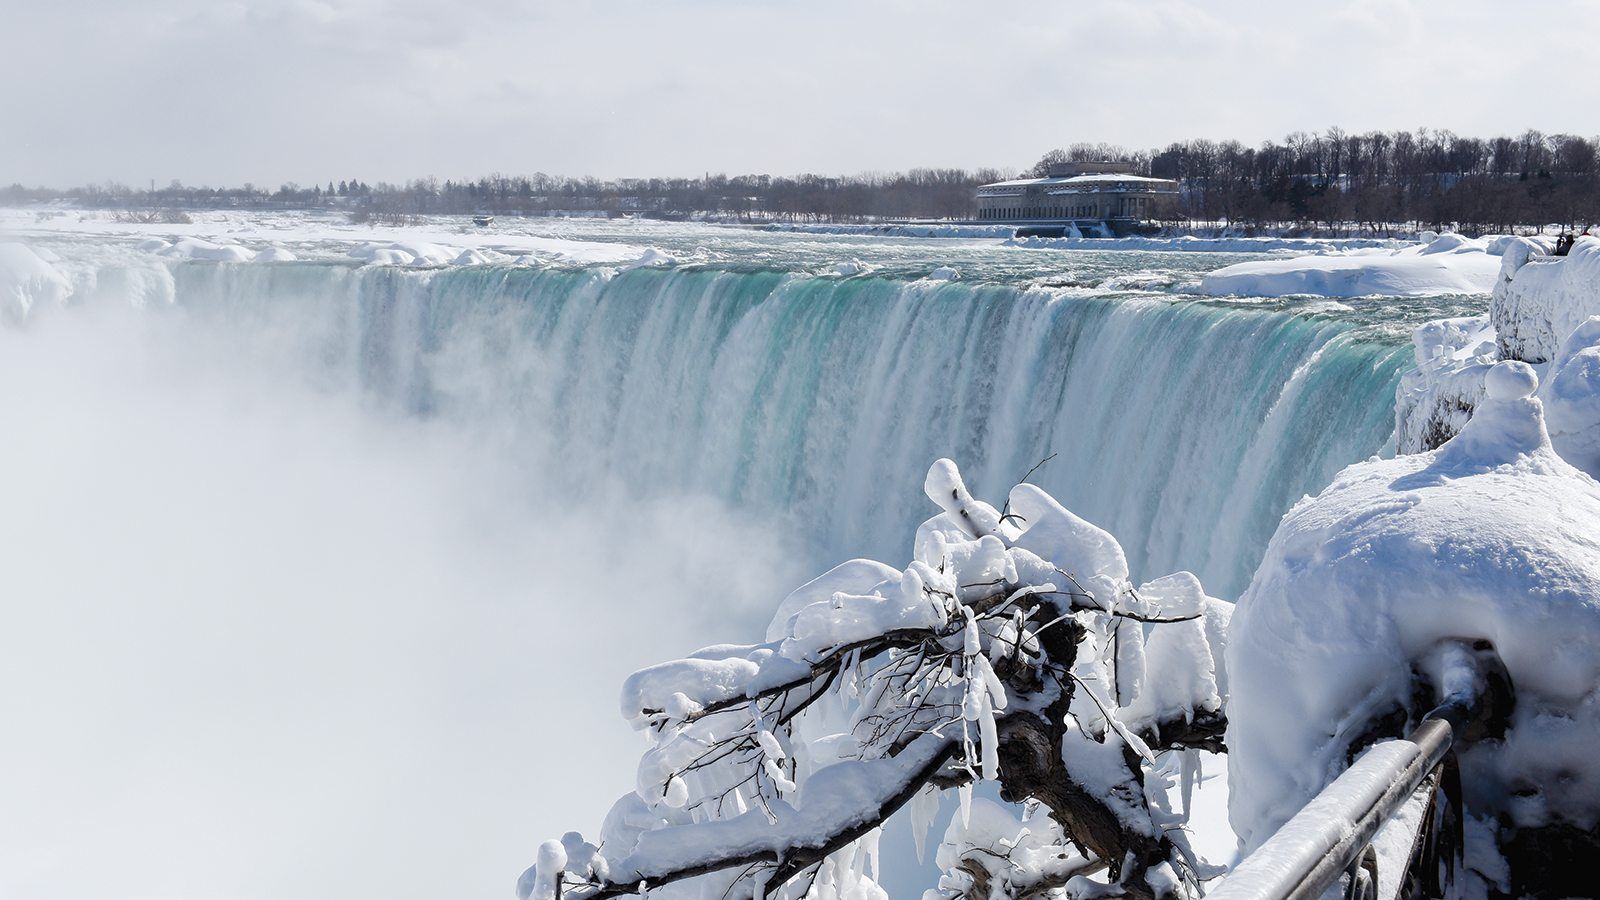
1333 180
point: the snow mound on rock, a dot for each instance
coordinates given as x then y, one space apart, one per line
1491 537
26 279
195 248
404 253
653 257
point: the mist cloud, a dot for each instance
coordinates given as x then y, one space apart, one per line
265 641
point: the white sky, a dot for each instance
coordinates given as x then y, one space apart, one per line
311 90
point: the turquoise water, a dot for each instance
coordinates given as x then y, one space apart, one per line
1185 427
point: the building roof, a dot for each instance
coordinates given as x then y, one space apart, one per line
1082 181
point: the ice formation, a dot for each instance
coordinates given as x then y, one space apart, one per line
773 765
27 279
1540 299
1492 537
1545 310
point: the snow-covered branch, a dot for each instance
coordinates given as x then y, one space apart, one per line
1012 648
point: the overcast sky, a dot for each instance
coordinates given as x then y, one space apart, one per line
269 91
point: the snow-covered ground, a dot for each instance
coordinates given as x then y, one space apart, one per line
230 236
1446 264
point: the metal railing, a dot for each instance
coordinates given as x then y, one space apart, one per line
1331 838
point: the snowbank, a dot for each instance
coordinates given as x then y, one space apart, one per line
236 236
27 279
1491 537
1450 264
1192 244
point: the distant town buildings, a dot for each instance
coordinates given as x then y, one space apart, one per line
1082 192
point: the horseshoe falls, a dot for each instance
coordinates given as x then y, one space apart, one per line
343 536
1185 428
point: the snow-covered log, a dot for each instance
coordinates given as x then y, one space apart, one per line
1492 539
1013 648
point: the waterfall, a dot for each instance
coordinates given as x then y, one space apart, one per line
1184 428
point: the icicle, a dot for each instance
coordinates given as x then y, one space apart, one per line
924 807
1189 773
1130 663
869 844
989 737
965 794
973 646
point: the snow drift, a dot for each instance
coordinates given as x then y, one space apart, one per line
1491 537
1449 264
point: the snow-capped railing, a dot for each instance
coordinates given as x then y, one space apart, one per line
1334 835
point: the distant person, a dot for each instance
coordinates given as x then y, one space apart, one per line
1564 243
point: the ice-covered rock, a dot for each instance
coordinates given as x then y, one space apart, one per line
1492 537
653 258
27 279
944 273
1538 300
275 254
1434 400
